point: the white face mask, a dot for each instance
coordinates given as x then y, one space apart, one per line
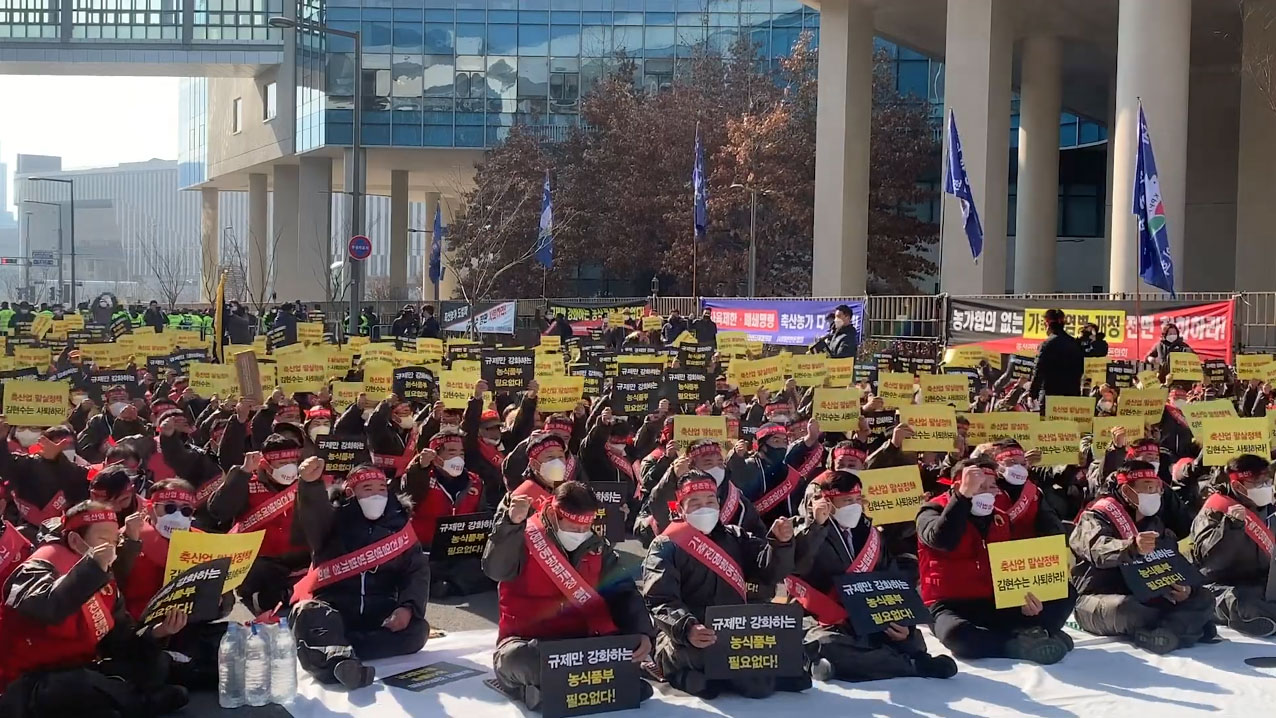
373 506
703 519
717 472
1156 466
849 515
839 322
1260 495
69 454
1149 504
168 523
26 437
285 474
454 466
407 421
77 399
1105 406
117 407
492 442
1171 337
571 540
553 471
780 418
1015 474
1180 403
617 449
318 431
981 504
367 414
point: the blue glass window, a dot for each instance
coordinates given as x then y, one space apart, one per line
533 40
564 40
469 39
502 39
440 38
407 37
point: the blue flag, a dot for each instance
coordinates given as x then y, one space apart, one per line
545 241
957 184
1156 266
700 188
436 247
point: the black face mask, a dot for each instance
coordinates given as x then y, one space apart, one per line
774 455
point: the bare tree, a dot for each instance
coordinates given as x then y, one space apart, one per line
254 287
1257 53
165 267
380 289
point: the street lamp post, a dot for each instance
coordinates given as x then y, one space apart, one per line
356 173
70 183
58 207
753 235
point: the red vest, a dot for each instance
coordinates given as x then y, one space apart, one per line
278 538
533 607
965 572
14 549
436 504
147 576
27 645
1022 513
159 468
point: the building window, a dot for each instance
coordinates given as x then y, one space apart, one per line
236 115
269 101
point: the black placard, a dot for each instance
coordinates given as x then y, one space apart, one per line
972 376
919 365
611 521
877 599
885 361
695 357
754 640
635 397
157 364
1121 374
460 537
413 384
1152 575
281 336
464 352
196 592
81 337
748 428
865 373
641 350
182 358
120 326
879 423
1215 371
588 675
594 376
340 454
431 676
1021 367
688 386
99 381
73 375
639 371
508 372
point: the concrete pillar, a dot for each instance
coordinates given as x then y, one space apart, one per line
1153 54
399 206
210 233
1209 221
1037 214
1110 119
428 292
304 273
978 55
843 121
268 255
1256 165
256 252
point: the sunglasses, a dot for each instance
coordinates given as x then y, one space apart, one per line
187 511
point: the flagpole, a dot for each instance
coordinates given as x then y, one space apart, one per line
1138 289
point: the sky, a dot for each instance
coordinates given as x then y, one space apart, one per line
88 121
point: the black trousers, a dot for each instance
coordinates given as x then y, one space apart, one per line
683 668
868 658
105 689
978 629
1112 614
324 639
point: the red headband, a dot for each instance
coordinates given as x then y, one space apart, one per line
705 449
703 410
852 452
358 476
79 521
281 455
1128 476
490 416
695 486
559 423
1146 444
319 412
574 518
770 430
164 496
776 408
1012 452
439 440
1241 475
825 478
536 450
113 394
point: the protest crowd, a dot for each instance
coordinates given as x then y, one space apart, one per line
807 509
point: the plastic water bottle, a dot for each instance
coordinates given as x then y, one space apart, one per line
256 668
283 664
230 667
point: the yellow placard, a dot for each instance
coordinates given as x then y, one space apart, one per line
895 388
558 393
456 388
337 361
232 349
1252 366
467 365
268 375
209 379
970 356
946 389
652 323
187 549
410 358
300 374
432 346
356 344
1110 322
684 338
1103 426
1058 441
1185 366
732 344
73 322
41 325
810 369
934 427
188 339
893 494
998 425
750 374
1226 439
1077 409
837 409
1097 369
1197 412
345 394
549 342
688 428
1148 379
37 357
754 349
310 333
30 402
1147 403
549 366
1037 565
259 345
378 379
841 372
378 351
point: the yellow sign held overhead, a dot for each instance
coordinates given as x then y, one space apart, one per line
31 402
559 393
1185 366
1103 426
1077 409
456 388
187 549
895 388
1059 442
689 428
892 495
1197 412
810 369
345 394
841 372
934 427
1226 439
946 389
998 425
837 409
1037 565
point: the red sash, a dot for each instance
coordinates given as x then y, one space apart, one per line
97 612
1176 413
730 504
703 549
13 549
545 554
36 516
356 562
490 454
1117 515
656 455
398 464
825 607
622 464
772 498
206 490
267 511
535 491
1255 527
570 473
1027 499
813 459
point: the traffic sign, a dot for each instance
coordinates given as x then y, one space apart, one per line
43 258
360 247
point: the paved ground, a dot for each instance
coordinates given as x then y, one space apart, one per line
458 614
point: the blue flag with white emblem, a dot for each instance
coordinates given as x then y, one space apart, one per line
1156 266
436 247
700 188
957 184
545 241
